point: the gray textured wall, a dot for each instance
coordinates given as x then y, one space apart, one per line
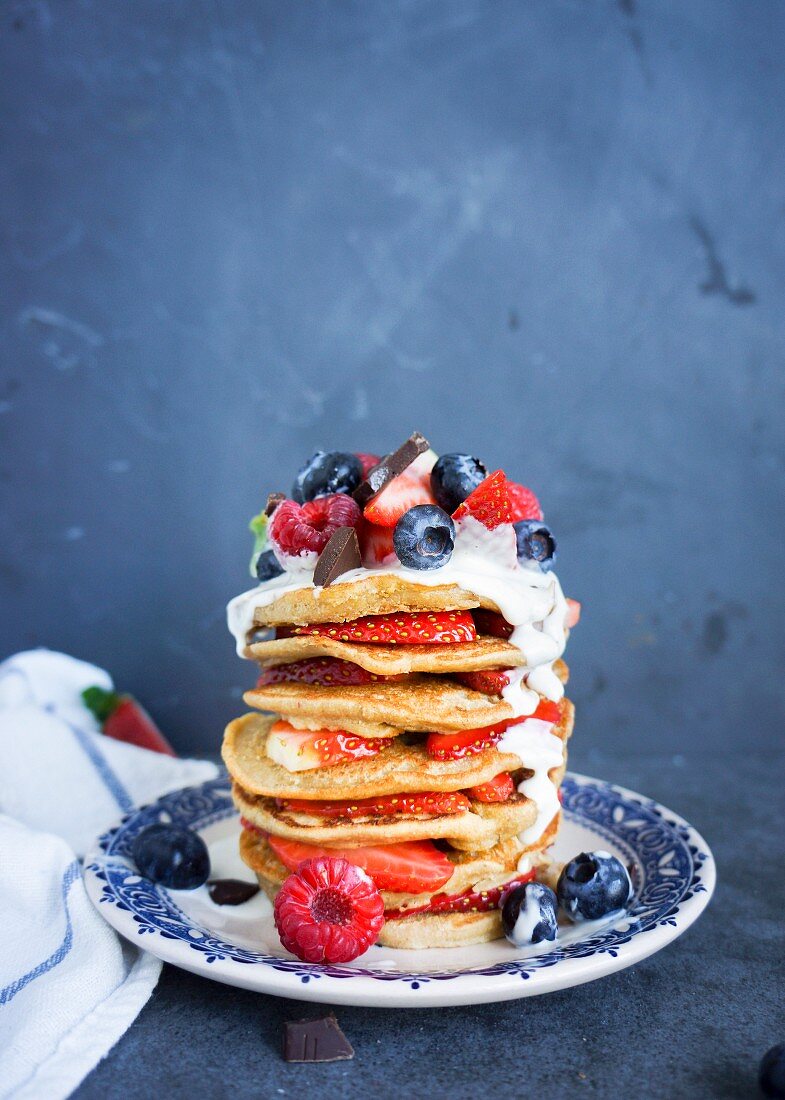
550 233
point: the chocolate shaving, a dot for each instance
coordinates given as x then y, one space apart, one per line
341 554
315 1041
273 500
380 475
231 891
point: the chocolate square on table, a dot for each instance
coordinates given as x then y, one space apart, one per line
315 1041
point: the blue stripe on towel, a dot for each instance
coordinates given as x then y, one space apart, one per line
7 994
102 766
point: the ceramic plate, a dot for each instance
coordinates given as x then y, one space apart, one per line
672 869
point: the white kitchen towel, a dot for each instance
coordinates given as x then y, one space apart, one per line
69 986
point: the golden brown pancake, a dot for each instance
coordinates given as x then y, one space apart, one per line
370 730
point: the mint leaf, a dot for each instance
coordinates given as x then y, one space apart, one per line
258 528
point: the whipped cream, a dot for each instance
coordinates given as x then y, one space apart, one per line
539 750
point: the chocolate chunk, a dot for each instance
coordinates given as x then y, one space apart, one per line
231 891
341 554
273 500
315 1041
390 466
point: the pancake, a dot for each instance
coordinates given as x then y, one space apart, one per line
425 703
347 725
393 660
480 827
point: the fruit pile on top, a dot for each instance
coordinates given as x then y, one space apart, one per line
401 509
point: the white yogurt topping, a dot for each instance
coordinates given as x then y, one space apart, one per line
539 750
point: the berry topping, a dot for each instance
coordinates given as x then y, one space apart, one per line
123 719
454 477
523 502
489 503
529 914
573 613
297 530
411 867
490 681
328 911
376 544
771 1075
367 461
491 622
300 750
325 473
398 497
426 804
471 901
593 885
406 627
454 746
498 789
172 856
535 543
267 566
327 671
547 711
423 537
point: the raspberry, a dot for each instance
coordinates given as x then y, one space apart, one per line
524 503
306 528
367 461
328 911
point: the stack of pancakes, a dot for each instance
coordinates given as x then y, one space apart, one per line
482 842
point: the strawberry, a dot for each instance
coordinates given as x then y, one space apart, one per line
406 627
429 803
299 529
123 719
471 901
326 671
573 614
489 503
367 461
497 789
547 711
491 622
300 750
523 502
490 681
454 746
328 911
411 867
376 544
398 497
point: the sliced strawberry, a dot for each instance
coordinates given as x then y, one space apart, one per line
123 719
490 681
491 622
327 671
523 502
412 867
547 711
489 503
429 803
406 627
498 789
471 901
398 497
573 613
376 544
300 750
368 461
454 746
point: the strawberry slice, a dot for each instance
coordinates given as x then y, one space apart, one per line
498 789
573 613
409 628
523 502
300 750
429 803
471 901
412 867
327 671
123 719
454 746
490 681
547 711
491 622
398 497
376 544
489 503
367 461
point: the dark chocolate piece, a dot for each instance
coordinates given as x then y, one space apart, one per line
315 1041
273 500
231 891
390 466
341 554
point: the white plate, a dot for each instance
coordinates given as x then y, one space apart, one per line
673 874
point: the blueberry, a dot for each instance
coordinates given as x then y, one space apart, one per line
172 856
268 566
529 914
593 885
535 543
423 537
327 472
453 477
771 1075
